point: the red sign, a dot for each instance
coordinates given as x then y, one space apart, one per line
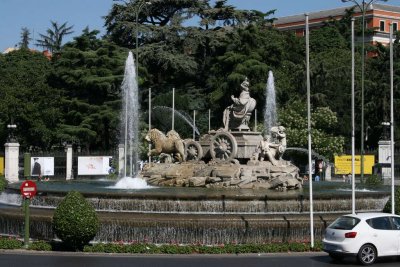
28 189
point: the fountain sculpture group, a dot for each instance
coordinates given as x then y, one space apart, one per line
231 157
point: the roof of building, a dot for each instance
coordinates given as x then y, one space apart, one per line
10 49
333 13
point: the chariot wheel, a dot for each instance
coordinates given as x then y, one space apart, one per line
223 146
193 150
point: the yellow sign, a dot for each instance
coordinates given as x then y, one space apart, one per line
1 165
343 164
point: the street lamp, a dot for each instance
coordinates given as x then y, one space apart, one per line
11 137
363 6
138 9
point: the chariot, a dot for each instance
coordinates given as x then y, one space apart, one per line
222 145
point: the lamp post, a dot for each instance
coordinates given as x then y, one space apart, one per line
363 6
138 9
11 137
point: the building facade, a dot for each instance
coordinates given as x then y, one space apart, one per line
377 16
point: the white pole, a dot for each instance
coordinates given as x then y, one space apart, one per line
209 120
353 184
173 108
149 121
255 120
391 115
309 132
194 124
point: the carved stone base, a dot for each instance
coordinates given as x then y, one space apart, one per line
254 175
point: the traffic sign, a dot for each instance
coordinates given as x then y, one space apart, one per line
28 189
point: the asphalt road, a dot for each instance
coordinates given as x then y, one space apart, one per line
21 258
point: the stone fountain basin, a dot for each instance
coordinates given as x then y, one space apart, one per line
191 215
329 197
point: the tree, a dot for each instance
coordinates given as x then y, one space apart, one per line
323 121
89 71
26 98
53 38
25 38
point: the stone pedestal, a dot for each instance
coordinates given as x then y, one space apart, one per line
385 159
11 162
121 160
68 170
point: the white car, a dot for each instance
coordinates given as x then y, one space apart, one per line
364 235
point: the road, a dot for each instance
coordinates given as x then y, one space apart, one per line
19 258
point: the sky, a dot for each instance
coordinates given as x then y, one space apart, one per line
37 14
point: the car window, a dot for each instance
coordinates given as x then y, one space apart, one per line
380 223
344 223
396 222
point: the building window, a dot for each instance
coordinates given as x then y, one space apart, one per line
394 26
382 25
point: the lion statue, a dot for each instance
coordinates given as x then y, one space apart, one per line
170 143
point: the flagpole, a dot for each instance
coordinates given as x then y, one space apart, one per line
309 132
353 183
173 109
149 123
391 115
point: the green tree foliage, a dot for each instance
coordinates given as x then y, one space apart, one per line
75 221
53 38
27 99
3 183
90 72
323 123
388 206
25 38
377 92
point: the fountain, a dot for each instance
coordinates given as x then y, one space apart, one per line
270 115
130 117
218 195
164 115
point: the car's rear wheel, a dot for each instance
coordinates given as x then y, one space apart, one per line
367 254
335 256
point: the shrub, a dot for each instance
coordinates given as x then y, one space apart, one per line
201 249
388 206
373 180
3 183
40 246
75 221
10 243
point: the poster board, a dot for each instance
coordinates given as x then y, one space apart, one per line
1 165
98 165
42 166
343 164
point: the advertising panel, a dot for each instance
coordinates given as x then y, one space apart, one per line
343 164
98 165
42 166
1 165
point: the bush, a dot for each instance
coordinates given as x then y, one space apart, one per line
373 180
10 243
388 206
75 221
201 249
3 183
40 246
